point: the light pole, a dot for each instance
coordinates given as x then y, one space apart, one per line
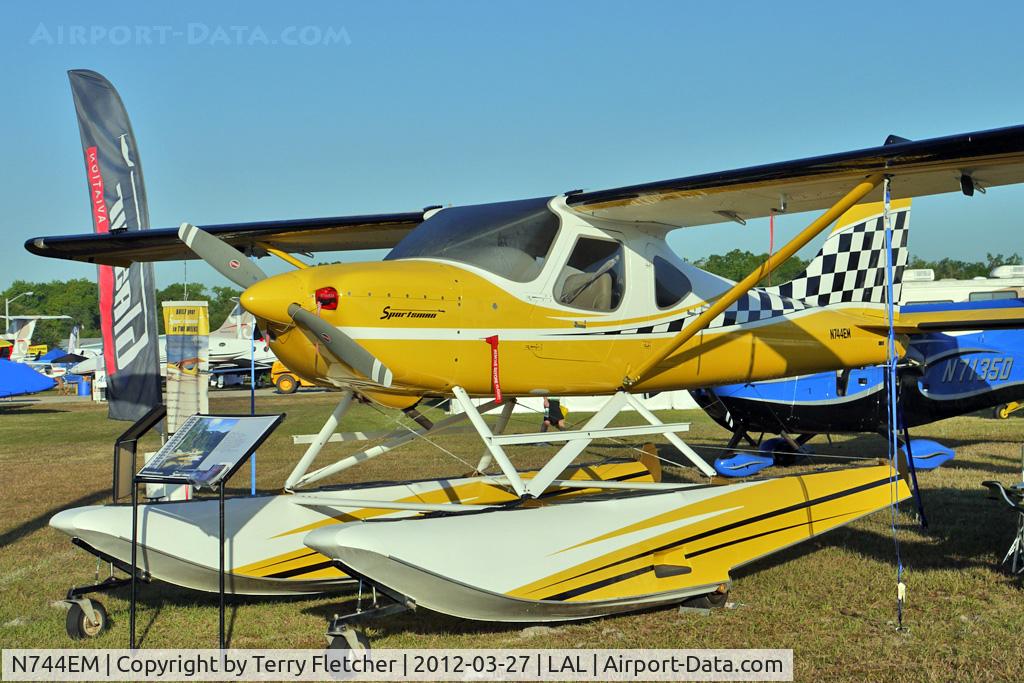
7 309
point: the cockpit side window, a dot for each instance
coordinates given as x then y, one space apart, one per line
594 276
510 239
670 285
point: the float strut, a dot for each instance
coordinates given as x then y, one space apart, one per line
318 443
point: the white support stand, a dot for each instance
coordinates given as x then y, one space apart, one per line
490 441
506 413
319 441
576 440
300 478
671 437
576 444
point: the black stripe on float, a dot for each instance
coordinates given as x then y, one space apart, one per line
791 508
600 584
299 571
642 472
726 527
290 559
750 538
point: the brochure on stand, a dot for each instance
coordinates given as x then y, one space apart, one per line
207 449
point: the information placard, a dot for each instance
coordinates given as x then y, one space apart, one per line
208 448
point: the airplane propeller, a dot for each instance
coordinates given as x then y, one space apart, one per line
340 345
225 259
235 266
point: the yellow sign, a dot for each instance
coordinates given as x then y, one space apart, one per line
187 334
186 319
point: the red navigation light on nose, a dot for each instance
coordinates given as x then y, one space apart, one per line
327 298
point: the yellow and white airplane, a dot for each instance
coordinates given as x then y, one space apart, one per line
570 295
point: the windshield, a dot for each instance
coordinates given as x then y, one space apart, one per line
510 239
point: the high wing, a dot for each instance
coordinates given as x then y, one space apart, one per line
918 168
949 164
381 231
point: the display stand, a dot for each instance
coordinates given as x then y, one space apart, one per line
205 452
126 451
87 617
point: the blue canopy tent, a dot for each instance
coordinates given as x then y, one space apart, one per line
17 379
51 355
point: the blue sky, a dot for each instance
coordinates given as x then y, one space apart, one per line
418 103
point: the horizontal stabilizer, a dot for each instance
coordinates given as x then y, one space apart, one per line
975 315
928 454
742 464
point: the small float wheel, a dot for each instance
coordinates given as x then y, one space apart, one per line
1001 412
81 626
712 600
286 384
350 639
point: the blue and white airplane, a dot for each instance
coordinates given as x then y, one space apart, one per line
950 374
943 375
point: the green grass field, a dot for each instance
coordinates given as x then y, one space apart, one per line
831 599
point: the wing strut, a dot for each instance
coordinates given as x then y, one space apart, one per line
283 255
746 284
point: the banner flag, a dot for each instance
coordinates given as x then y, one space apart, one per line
117 199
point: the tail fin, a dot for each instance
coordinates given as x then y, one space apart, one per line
851 264
238 325
849 268
22 330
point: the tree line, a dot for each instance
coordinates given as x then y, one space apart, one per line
79 298
737 263
965 270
